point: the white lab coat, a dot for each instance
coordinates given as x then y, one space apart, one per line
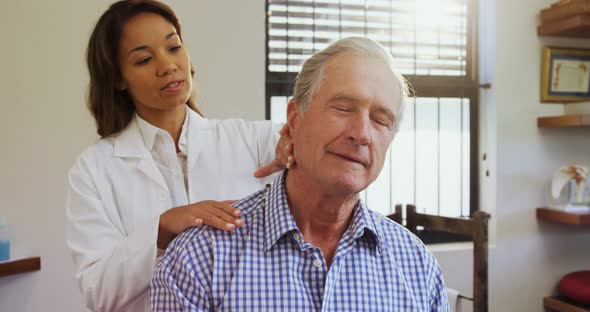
116 195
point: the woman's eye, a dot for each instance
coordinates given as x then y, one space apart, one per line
143 61
175 48
342 108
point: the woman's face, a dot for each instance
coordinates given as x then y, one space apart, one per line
155 66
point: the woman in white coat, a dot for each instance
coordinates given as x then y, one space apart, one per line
159 167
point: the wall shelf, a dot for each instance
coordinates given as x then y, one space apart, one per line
17 266
558 216
577 26
562 305
565 121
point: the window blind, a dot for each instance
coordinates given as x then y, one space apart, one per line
424 37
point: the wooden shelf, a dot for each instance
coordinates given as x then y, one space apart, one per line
562 305
18 266
565 121
574 26
563 217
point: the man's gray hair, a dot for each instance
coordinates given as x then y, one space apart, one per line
309 78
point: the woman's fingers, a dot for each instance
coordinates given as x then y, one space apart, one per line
283 156
269 169
226 206
218 214
284 130
215 221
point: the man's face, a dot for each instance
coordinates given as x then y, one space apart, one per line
341 140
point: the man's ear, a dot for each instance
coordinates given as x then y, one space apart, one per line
293 115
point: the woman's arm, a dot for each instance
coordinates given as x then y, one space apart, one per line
113 268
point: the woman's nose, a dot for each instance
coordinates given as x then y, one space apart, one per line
166 67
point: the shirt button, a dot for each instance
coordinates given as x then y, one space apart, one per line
317 263
296 236
163 196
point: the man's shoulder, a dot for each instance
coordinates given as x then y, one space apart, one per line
395 235
405 248
252 203
205 235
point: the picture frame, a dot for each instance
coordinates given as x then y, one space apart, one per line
565 75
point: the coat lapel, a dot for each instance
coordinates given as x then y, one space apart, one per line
199 137
129 144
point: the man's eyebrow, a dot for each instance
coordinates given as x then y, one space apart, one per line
143 47
388 113
344 98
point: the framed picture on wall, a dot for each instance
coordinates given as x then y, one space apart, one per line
565 75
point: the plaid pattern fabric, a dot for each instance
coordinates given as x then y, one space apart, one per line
267 266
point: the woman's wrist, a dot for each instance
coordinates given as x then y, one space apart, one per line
164 236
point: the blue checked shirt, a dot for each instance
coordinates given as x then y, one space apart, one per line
267 266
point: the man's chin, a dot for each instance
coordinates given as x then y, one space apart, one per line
348 184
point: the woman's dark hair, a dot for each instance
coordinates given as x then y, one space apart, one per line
111 107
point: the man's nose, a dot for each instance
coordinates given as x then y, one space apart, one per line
359 129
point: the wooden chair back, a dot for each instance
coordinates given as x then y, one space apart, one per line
476 228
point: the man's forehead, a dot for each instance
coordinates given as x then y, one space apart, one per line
355 77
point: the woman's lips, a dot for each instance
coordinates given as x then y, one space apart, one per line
173 86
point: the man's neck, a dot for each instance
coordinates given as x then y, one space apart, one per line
322 217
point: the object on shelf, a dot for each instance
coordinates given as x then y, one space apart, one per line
565 75
576 286
575 176
4 240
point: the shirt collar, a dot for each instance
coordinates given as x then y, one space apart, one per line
149 132
362 224
277 217
279 220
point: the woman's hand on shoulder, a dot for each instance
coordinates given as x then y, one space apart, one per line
283 156
218 214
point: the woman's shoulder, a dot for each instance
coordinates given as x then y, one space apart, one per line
240 124
96 154
231 124
99 149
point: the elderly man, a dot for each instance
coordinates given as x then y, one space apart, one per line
309 243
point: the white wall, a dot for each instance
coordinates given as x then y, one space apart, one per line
44 125
530 256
